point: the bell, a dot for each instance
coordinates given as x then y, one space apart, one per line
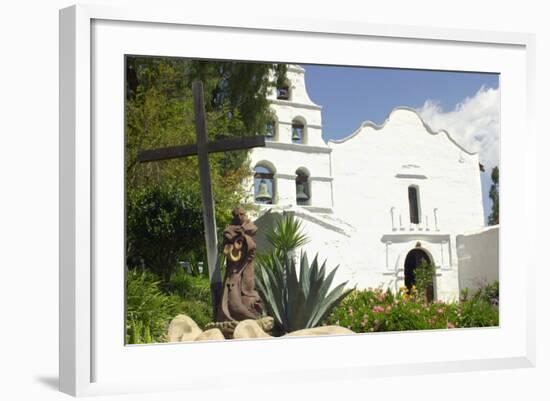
296 134
263 192
301 195
270 130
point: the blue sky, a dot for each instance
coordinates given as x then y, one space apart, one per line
456 101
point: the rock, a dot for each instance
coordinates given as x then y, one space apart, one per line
227 328
321 331
183 328
249 329
267 323
210 335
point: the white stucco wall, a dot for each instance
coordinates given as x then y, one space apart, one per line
330 239
478 258
372 170
358 216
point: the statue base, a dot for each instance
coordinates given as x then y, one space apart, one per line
227 328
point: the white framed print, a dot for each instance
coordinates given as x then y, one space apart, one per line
291 199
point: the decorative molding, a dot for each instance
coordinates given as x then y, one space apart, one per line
415 176
323 179
297 147
371 124
295 68
317 209
314 126
293 177
285 176
415 236
296 104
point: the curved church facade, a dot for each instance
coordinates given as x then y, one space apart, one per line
376 203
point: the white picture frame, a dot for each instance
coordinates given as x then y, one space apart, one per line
92 37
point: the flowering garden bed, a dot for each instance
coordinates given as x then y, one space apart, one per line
376 310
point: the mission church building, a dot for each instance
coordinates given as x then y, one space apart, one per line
377 202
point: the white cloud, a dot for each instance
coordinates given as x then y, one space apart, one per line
474 123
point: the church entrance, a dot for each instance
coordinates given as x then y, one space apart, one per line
412 261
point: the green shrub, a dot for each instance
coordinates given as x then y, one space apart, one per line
488 293
148 309
194 295
476 313
189 286
164 223
377 310
424 278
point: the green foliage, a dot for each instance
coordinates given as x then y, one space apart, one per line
287 235
297 302
163 203
163 224
494 195
424 276
151 305
148 309
487 293
377 310
194 295
160 107
164 213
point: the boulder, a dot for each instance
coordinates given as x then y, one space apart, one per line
267 324
227 328
183 328
321 331
210 335
249 329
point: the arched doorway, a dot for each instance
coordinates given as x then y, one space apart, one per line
414 258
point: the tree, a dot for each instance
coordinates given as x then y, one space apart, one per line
424 279
493 194
159 112
162 224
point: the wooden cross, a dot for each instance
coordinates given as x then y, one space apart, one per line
202 148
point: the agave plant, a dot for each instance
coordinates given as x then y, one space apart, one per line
297 302
287 235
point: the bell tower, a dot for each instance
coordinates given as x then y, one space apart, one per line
293 170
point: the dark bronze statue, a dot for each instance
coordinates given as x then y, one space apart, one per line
239 299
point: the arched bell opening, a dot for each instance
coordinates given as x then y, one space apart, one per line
264 184
283 91
271 129
303 187
299 130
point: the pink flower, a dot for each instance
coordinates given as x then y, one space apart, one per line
378 309
350 311
440 310
450 325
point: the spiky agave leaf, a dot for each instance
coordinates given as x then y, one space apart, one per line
287 235
297 301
